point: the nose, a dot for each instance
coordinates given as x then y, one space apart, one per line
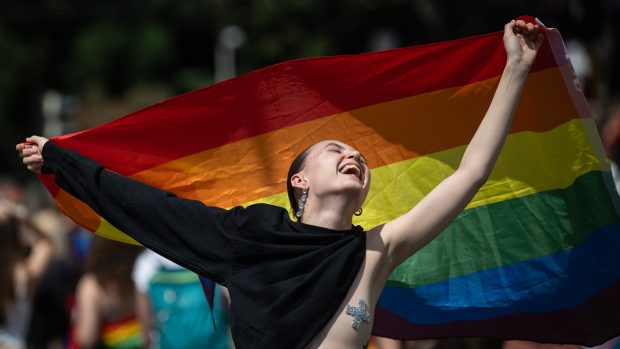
353 154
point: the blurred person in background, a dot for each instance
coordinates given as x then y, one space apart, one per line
50 318
105 309
611 140
23 259
172 307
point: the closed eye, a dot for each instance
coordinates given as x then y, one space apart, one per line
333 147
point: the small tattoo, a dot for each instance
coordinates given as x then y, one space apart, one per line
360 314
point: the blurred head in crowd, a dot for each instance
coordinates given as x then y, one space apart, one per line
111 262
12 250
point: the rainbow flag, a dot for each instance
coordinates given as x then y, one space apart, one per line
122 334
535 254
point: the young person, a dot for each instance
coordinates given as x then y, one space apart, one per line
307 284
104 314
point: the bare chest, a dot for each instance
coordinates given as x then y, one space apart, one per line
351 325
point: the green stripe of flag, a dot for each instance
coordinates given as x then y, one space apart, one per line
512 231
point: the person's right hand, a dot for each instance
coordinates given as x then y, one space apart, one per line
522 41
31 152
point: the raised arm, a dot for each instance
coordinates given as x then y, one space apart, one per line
187 232
405 235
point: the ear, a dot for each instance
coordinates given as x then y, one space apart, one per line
299 181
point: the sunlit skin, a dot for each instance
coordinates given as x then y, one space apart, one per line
338 179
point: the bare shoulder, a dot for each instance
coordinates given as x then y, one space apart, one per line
88 287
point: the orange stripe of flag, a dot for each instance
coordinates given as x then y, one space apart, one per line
386 133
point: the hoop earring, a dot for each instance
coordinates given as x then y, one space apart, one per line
302 203
358 212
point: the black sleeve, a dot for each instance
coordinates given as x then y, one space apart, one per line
196 236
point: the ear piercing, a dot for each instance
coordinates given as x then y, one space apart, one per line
302 203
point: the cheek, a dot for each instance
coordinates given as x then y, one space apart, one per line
319 174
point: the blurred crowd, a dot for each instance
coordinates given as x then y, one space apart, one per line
64 287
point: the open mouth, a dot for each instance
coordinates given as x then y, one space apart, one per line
352 170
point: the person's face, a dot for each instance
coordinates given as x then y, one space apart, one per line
333 167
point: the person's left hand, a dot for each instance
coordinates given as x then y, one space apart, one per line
522 41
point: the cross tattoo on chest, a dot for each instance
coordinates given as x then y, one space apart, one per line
359 313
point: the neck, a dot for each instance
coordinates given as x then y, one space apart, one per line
332 213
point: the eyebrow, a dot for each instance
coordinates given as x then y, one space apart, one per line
335 145
343 148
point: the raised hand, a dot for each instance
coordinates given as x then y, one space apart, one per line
30 152
522 41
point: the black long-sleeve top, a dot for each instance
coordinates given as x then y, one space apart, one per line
286 279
